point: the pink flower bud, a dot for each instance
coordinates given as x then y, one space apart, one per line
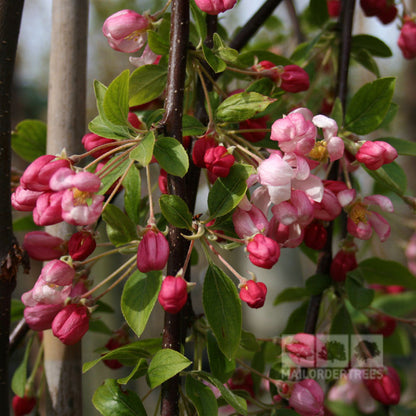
307 398
305 350
334 8
81 245
372 7
134 120
386 387
37 175
42 246
241 380
23 405
71 323
173 294
294 79
58 272
269 69
249 222
48 210
91 140
251 124
315 235
152 252
218 161
163 182
126 31
215 7
254 294
382 324
376 154
24 199
407 38
200 148
387 14
40 316
343 262
263 251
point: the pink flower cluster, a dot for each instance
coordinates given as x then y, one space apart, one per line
55 192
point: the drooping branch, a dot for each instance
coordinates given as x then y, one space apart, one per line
10 18
253 25
324 262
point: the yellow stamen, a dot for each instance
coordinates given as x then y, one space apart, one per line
80 197
358 213
319 151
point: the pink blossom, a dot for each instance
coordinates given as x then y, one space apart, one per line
215 7
48 209
58 272
81 245
126 31
253 293
24 199
37 175
42 246
200 148
148 57
361 219
307 398
298 209
40 316
286 235
263 251
248 222
294 132
328 208
48 293
305 350
376 154
294 79
173 294
407 38
218 161
152 252
71 323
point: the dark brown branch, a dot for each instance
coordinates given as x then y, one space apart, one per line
18 334
253 25
10 255
325 259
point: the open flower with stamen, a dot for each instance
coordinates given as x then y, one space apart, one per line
362 220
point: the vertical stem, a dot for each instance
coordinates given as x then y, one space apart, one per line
10 18
324 262
172 124
66 126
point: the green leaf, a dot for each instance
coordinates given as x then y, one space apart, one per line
262 86
20 375
398 304
112 174
296 321
403 147
291 294
200 23
342 323
192 126
146 84
221 367
359 296
226 193
373 45
25 224
236 402
165 364
223 309
317 283
16 310
104 128
157 43
249 342
216 63
201 397
172 156
242 106
29 139
143 152
132 194
139 297
120 228
109 399
116 100
176 212
97 325
398 343
364 57
392 176
128 354
337 112
223 51
139 370
369 106
384 272
318 12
